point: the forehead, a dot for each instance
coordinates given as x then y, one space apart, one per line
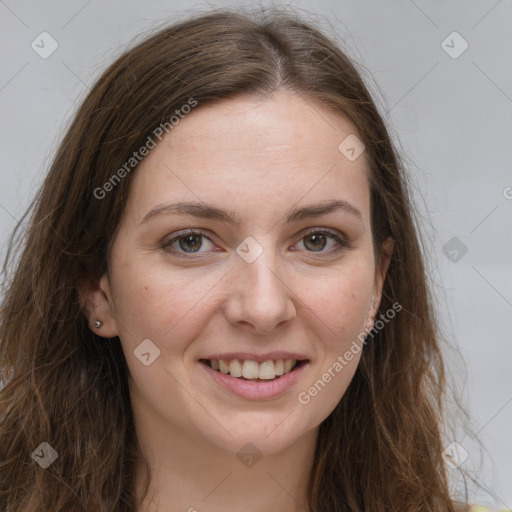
248 151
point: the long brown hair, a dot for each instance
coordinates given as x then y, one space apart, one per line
380 449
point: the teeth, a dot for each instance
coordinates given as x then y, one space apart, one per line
267 370
235 368
224 368
250 369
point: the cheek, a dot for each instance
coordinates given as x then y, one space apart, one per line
342 300
151 302
340 303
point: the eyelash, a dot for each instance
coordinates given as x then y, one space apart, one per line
342 244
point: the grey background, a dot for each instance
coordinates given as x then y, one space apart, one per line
450 116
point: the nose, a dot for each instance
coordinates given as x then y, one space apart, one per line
259 298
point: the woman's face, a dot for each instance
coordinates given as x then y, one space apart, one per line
287 280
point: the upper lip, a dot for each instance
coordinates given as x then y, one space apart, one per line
269 356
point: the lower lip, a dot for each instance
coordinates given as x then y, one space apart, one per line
256 390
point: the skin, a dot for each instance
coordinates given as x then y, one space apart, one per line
258 158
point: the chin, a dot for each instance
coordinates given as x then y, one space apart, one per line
269 438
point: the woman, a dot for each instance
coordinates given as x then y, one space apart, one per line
221 301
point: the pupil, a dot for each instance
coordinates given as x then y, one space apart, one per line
318 238
190 238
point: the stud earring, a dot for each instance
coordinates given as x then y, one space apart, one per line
98 323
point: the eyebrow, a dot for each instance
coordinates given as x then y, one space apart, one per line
208 211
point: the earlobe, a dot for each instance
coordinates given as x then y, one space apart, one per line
98 307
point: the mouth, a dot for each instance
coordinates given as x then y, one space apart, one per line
255 371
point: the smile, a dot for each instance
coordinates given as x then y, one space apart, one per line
253 370
254 387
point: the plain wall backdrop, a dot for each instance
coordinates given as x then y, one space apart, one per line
441 73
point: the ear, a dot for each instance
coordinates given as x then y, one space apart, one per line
96 302
380 276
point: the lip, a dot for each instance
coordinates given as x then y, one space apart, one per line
256 390
260 358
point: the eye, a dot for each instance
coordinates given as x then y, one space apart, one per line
317 240
189 242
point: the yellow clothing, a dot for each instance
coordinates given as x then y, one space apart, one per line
479 508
